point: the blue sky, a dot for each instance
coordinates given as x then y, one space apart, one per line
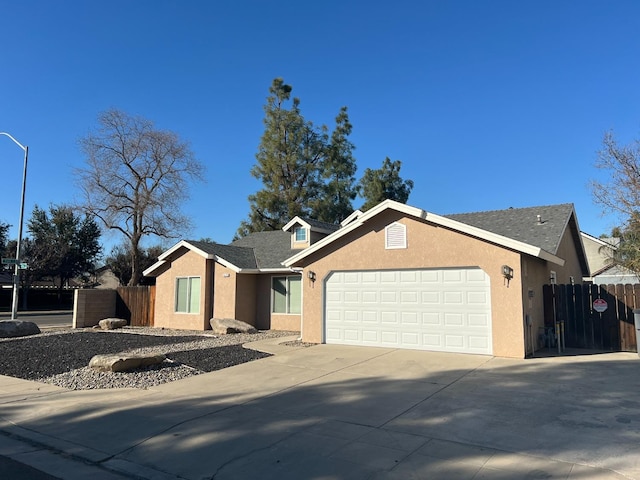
488 104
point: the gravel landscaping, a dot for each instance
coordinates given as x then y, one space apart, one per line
61 357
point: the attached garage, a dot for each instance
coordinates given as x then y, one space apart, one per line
445 310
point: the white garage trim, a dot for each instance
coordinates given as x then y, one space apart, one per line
445 310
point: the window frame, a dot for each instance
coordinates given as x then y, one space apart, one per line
287 294
295 234
189 291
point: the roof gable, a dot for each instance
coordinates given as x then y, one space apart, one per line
489 226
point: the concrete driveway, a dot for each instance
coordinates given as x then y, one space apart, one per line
334 412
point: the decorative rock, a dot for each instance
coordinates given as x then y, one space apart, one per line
121 362
223 326
17 328
112 323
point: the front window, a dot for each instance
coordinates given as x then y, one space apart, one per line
301 234
188 294
287 293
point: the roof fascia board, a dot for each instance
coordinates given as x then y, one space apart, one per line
293 221
153 268
189 246
185 244
355 214
596 239
264 270
296 220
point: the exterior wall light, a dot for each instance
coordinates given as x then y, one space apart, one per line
507 272
311 275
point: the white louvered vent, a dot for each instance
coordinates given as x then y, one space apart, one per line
395 236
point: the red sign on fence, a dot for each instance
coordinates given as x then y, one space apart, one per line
600 305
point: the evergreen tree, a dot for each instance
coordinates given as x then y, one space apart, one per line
375 186
339 174
62 245
303 171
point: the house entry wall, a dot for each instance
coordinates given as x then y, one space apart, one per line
427 309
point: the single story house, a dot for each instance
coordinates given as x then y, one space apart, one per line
394 276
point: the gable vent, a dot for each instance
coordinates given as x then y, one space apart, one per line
395 236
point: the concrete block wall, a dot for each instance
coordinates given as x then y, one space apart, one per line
90 306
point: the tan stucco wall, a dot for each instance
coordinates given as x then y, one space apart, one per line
264 318
429 246
190 264
246 298
536 273
92 305
224 288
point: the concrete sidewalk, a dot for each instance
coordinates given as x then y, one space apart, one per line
335 412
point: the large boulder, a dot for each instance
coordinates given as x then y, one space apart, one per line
17 328
112 323
223 326
122 362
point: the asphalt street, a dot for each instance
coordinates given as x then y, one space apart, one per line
48 319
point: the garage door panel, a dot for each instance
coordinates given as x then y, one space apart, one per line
453 319
370 336
409 319
432 309
388 277
430 298
431 318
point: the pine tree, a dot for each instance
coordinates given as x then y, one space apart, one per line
339 173
375 186
303 171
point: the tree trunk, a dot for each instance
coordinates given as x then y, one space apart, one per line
136 274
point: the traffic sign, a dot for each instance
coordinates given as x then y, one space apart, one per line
10 261
600 305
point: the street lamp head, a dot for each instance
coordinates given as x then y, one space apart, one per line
14 140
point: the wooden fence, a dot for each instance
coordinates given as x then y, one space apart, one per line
136 305
584 327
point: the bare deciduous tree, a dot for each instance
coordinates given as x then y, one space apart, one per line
618 192
135 179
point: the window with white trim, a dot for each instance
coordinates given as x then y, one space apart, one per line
187 295
300 234
286 294
395 236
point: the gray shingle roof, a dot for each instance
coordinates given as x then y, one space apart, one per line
265 250
323 225
241 257
522 224
270 248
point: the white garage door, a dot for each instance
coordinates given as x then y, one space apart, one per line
447 310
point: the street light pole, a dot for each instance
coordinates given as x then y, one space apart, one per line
16 271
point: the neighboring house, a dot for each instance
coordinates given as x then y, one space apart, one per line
394 276
6 279
104 278
602 270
